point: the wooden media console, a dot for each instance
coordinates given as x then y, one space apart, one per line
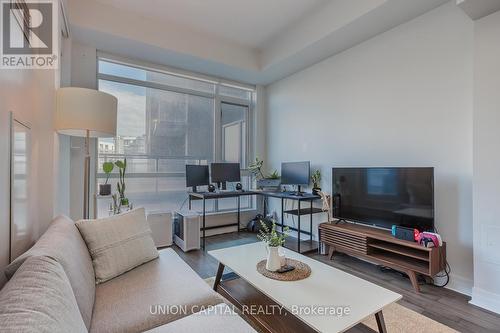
379 246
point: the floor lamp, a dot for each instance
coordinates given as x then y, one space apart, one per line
85 113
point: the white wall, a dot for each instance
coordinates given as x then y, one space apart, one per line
29 95
17 91
486 292
403 98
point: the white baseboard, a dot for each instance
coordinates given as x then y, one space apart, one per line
485 299
460 284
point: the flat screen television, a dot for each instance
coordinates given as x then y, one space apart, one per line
384 197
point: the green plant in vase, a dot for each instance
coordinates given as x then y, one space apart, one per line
316 180
274 175
255 168
122 167
107 168
273 239
271 236
262 180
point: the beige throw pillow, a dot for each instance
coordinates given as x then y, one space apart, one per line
118 243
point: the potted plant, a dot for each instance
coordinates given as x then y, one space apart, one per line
316 180
105 189
271 180
122 167
273 240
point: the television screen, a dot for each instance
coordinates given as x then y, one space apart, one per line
295 173
385 196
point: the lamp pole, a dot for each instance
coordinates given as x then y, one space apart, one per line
86 177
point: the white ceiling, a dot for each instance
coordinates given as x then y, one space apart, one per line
247 22
477 9
251 41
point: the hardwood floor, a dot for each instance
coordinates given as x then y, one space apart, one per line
441 304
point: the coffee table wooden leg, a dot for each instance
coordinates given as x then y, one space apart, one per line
380 322
220 270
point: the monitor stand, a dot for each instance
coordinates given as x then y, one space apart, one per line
194 189
299 192
221 186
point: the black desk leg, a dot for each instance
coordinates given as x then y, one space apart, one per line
264 203
189 202
204 215
282 214
311 228
380 322
220 270
238 197
298 228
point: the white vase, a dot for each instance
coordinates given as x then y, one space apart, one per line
273 259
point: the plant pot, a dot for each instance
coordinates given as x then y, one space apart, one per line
316 190
104 189
273 262
124 201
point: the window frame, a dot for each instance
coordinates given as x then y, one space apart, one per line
218 101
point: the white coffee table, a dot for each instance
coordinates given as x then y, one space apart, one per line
325 287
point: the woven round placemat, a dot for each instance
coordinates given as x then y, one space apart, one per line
301 271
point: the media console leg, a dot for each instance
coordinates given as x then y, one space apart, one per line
380 322
220 270
414 281
331 251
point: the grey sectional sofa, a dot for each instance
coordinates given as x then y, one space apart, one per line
52 288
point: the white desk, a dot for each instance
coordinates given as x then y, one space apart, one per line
327 286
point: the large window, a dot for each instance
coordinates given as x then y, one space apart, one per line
166 121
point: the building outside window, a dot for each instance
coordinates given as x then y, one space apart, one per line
166 121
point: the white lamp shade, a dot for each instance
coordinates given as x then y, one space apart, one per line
81 109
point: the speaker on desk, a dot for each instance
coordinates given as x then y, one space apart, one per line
211 188
239 187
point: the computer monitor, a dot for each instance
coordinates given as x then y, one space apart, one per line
196 175
295 173
225 172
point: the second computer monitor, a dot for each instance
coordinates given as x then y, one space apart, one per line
196 175
225 172
295 173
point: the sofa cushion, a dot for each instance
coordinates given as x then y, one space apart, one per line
126 303
118 243
63 242
218 319
39 298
